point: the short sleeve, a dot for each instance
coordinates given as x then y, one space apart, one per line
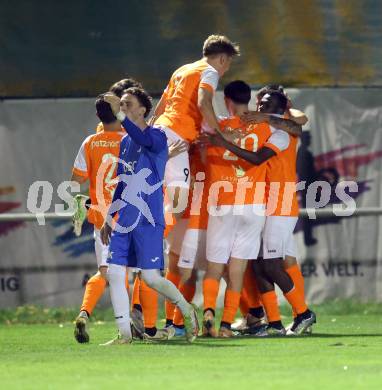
209 79
80 166
278 141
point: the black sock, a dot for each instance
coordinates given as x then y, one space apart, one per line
168 323
276 324
151 331
225 325
137 307
257 312
304 315
209 309
179 326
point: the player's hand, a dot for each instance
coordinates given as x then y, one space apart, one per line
232 135
212 139
176 148
114 101
254 117
105 233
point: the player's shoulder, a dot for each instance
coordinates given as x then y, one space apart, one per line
232 121
89 139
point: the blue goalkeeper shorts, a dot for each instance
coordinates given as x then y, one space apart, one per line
141 248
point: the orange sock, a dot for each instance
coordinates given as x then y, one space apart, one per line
243 304
170 307
231 304
149 302
210 293
296 300
298 280
93 292
188 291
271 306
250 286
136 300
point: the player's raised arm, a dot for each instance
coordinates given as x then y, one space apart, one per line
297 116
255 158
206 109
131 111
288 125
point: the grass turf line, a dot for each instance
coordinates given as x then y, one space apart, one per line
344 352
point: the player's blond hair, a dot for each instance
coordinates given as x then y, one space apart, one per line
220 44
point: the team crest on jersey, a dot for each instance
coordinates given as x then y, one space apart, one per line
239 171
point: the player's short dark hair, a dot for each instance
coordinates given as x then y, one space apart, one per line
220 44
268 88
280 99
120 86
238 91
104 111
143 97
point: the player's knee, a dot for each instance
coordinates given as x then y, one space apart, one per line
116 274
289 261
272 266
151 278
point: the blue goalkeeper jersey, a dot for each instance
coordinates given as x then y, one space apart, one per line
138 197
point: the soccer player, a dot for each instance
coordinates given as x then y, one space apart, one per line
118 87
290 122
185 103
188 238
137 237
233 233
98 152
280 154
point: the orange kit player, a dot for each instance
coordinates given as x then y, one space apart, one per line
98 154
237 190
185 103
290 122
280 152
188 240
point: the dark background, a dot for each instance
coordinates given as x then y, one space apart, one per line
78 48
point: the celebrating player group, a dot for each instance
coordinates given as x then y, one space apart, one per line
217 194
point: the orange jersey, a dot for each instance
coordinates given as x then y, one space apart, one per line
196 211
244 182
281 175
98 155
181 113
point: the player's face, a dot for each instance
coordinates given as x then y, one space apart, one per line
131 107
266 104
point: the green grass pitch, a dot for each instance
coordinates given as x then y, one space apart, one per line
345 352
